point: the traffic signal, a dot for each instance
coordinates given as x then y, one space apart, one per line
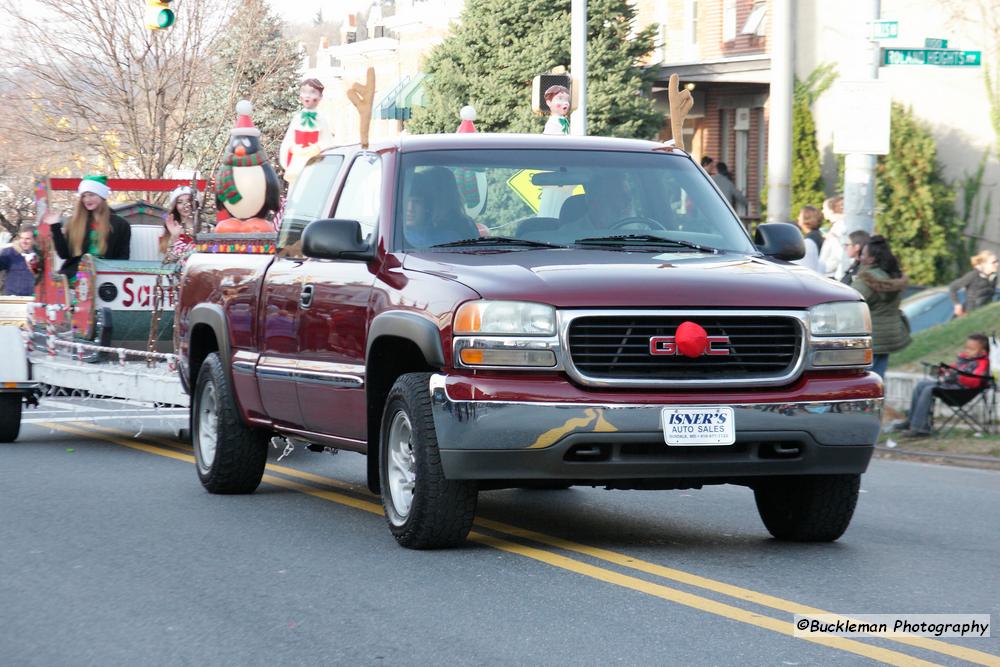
159 16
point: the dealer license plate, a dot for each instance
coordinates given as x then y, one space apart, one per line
694 425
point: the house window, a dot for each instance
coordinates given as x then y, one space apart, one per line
694 22
691 29
728 20
755 23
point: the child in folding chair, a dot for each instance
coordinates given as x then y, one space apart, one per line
974 359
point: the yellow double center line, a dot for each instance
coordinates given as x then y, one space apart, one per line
580 567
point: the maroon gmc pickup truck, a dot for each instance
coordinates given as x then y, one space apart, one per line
480 311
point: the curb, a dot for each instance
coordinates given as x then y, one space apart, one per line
961 460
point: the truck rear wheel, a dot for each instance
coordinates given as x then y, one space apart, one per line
229 455
10 416
808 508
424 510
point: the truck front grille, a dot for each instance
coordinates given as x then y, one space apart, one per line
615 349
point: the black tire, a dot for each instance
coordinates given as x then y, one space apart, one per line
237 463
808 508
437 513
10 416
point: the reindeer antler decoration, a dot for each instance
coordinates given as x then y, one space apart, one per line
680 104
362 98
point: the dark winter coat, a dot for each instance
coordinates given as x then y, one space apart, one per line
883 294
817 238
20 281
732 193
119 241
979 289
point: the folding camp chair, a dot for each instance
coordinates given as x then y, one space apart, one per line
976 408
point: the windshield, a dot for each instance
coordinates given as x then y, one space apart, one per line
562 198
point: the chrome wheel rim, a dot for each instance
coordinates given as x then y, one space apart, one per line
401 466
207 426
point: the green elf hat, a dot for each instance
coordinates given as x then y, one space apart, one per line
98 184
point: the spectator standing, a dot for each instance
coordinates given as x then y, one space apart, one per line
974 358
732 194
980 283
810 220
809 223
708 164
855 242
833 254
15 260
880 281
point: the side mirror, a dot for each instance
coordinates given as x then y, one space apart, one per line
335 239
780 240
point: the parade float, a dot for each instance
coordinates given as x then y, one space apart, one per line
107 328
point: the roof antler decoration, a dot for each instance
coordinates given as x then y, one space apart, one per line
680 104
362 96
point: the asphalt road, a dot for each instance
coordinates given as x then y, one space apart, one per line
111 553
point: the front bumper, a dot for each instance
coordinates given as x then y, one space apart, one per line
514 440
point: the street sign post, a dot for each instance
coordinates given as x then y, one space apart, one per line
885 29
863 117
943 57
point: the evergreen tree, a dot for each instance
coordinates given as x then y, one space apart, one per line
253 62
915 207
492 55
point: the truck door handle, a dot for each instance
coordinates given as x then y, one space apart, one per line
306 297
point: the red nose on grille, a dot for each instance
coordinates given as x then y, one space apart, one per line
691 339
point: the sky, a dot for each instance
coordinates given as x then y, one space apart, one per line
303 11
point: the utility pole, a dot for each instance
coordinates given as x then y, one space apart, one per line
578 66
859 168
779 143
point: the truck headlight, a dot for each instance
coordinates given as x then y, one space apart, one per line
506 334
840 335
840 318
505 318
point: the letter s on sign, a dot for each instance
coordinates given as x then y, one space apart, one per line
127 288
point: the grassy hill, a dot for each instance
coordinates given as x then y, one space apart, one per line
943 342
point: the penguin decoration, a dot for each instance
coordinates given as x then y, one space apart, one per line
246 185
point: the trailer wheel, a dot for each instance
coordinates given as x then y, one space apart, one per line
10 417
230 456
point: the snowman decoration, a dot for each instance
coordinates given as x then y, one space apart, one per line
246 185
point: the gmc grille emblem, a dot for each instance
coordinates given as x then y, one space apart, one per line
667 346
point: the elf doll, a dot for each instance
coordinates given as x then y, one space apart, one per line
557 97
307 134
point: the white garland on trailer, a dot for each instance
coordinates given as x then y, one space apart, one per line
144 379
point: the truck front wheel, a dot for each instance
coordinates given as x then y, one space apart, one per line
424 510
10 416
229 455
808 508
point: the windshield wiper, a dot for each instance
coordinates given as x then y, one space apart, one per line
639 240
497 240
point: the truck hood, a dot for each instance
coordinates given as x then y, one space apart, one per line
581 278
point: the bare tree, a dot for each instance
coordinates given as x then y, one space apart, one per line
88 78
983 16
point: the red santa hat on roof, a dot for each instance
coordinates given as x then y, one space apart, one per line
467 114
244 125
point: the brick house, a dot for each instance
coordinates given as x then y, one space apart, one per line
721 51
719 48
